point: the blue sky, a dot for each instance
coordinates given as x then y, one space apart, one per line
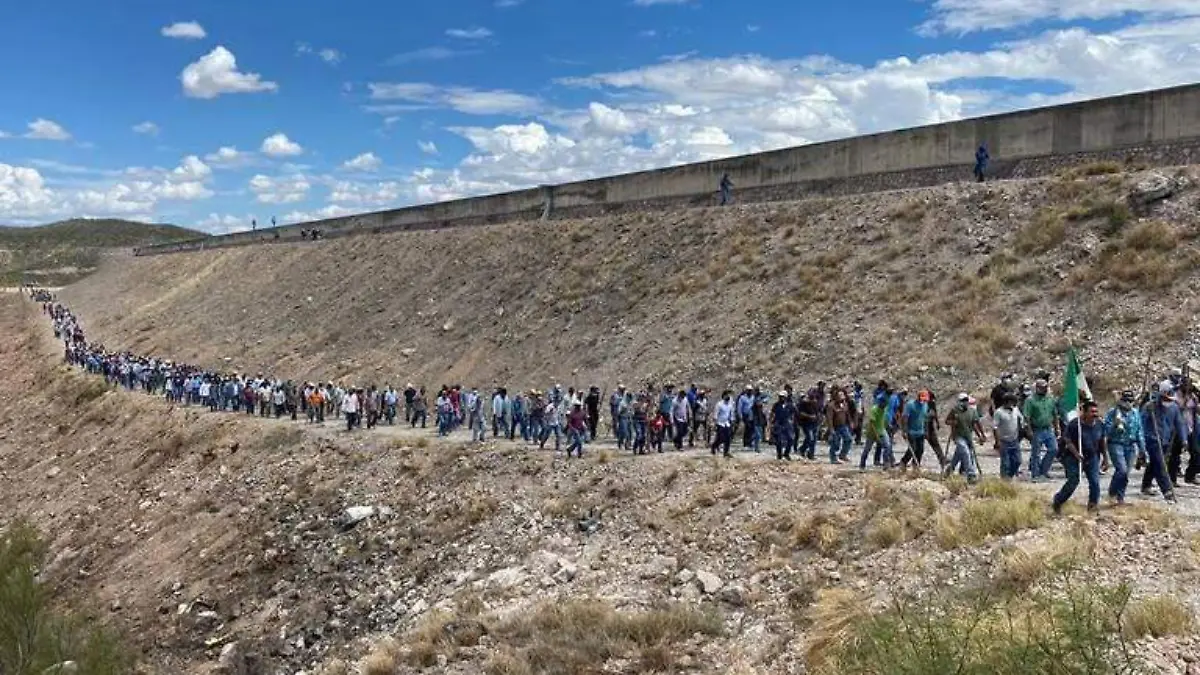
209 114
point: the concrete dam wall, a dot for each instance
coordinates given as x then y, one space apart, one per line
1155 127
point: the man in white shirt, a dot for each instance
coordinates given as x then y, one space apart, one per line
724 416
350 409
499 412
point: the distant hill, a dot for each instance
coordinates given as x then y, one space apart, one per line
60 253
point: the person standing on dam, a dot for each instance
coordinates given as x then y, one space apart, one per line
981 161
726 189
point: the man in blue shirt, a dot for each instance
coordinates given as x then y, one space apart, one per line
745 407
914 421
1084 441
1123 430
1161 425
981 161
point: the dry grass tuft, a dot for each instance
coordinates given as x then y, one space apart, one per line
911 211
1000 517
1021 567
1143 518
831 621
1158 617
581 635
1152 236
955 484
996 488
382 659
442 634
1048 230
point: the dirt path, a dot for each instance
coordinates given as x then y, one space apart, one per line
989 463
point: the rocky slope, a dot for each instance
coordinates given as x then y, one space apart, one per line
221 543
942 286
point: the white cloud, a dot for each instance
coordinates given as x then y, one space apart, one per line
227 157
5 134
23 192
428 147
753 28
966 16
367 161
281 189
148 128
184 30
664 114
215 223
609 121
648 3
473 33
504 4
364 195
46 130
331 211
216 73
327 54
135 192
463 99
279 145
191 169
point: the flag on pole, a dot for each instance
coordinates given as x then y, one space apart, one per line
1075 386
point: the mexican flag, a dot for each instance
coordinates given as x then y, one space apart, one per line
1075 387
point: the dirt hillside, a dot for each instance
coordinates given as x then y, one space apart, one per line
66 251
943 286
224 544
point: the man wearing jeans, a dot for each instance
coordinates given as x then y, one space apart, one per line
1007 423
877 437
1123 431
1162 425
1084 438
963 420
915 422
837 418
1041 412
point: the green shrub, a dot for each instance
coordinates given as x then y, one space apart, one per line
33 640
1075 630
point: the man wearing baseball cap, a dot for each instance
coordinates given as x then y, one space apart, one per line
1123 430
963 421
1041 412
1162 424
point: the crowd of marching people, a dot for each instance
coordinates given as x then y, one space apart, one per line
1144 430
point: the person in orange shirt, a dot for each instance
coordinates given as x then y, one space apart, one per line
316 406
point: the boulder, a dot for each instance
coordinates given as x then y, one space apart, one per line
708 582
1153 188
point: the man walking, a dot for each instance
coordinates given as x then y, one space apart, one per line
681 414
1084 438
1007 425
783 425
915 421
963 421
1123 434
1041 413
724 414
1162 426
981 161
